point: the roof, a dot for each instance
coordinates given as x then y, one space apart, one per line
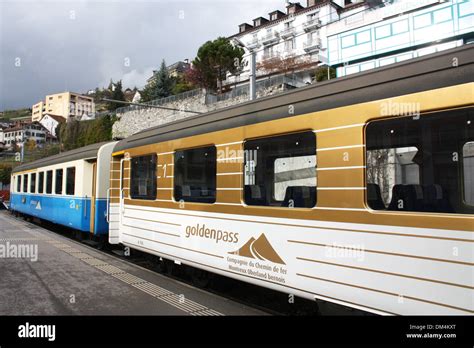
282 18
85 152
411 76
58 118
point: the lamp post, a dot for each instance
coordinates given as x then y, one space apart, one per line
252 61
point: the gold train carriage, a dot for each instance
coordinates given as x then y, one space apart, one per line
357 191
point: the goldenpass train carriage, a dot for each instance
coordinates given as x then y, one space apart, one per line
357 191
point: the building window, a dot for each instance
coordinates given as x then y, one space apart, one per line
25 183
58 188
40 182
70 181
290 45
348 41
195 175
422 21
421 164
443 15
18 183
33 183
49 182
281 171
143 179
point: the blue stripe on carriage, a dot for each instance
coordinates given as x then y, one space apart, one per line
72 212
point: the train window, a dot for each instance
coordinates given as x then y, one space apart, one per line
468 165
25 183
281 171
18 183
58 186
40 182
416 163
143 179
33 183
49 182
195 175
70 180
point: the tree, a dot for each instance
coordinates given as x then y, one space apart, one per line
321 73
289 64
5 173
116 94
213 61
160 85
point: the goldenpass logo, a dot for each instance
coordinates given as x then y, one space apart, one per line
210 233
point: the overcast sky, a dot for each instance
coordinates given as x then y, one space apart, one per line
53 46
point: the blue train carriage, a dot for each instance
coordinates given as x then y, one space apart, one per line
68 189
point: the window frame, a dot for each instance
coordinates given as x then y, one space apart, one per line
154 183
176 166
33 183
459 171
68 169
49 175
243 196
56 172
25 183
40 185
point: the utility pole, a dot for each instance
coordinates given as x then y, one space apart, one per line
253 68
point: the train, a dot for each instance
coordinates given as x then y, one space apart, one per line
356 191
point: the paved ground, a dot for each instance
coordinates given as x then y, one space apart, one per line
65 277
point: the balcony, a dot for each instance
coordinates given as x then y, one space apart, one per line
312 45
271 38
288 32
312 24
253 44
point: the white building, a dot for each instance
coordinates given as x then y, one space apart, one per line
50 122
344 33
404 30
24 132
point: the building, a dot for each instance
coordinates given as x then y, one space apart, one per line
50 122
23 132
404 30
350 35
67 105
174 70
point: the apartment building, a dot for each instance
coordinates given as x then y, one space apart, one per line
23 132
67 105
351 36
404 30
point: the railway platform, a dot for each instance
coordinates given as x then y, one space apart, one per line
44 273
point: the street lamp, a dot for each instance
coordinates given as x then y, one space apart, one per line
252 77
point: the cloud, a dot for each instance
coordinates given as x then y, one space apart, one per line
80 45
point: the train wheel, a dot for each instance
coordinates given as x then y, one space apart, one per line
201 278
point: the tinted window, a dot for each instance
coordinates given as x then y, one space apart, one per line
143 179
468 170
18 183
33 183
25 183
195 175
70 180
40 182
58 189
49 182
416 163
281 171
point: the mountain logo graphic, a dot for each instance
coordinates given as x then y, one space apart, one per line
259 248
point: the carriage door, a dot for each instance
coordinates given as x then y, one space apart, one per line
94 187
115 199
